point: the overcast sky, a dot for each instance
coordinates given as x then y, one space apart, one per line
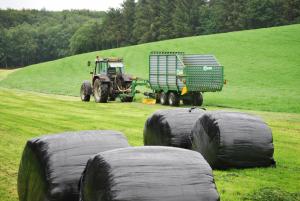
61 4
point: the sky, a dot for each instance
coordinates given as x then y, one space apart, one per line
57 5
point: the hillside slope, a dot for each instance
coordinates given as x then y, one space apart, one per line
262 68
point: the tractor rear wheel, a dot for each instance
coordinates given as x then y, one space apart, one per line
174 99
164 98
197 99
100 91
86 91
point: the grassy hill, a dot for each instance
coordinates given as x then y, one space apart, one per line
261 66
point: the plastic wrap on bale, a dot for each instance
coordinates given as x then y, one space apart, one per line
51 166
148 173
233 140
171 127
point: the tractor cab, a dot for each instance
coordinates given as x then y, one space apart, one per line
109 66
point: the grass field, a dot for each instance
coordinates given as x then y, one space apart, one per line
25 115
261 66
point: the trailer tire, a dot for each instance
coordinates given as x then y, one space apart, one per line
100 91
186 102
86 91
197 99
173 99
164 98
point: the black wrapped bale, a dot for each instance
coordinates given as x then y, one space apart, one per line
233 140
51 166
171 127
148 174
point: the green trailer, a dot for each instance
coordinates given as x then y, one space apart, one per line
175 76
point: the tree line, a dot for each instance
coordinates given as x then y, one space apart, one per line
33 36
135 22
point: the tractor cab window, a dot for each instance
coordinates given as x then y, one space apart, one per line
114 71
111 71
119 70
104 68
116 67
101 68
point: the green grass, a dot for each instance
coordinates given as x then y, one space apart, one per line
25 115
4 73
261 66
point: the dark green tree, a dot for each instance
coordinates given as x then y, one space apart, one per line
291 11
113 29
128 13
87 38
22 45
142 21
264 13
186 19
227 15
3 48
166 29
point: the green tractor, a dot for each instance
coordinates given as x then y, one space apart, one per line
109 82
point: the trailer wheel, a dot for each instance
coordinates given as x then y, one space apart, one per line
164 98
86 91
186 102
100 91
173 99
197 99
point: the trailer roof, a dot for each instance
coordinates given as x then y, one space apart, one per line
200 60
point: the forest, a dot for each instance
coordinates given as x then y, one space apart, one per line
33 36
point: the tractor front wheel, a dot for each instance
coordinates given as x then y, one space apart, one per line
100 91
174 99
164 98
128 99
86 91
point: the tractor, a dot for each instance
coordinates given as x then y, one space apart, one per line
109 82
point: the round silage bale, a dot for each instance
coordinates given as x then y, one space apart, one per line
148 173
51 166
171 127
233 140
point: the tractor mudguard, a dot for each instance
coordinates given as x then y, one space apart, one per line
103 78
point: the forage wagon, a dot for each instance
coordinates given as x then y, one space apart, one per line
175 76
